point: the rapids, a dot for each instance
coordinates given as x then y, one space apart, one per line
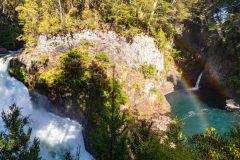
56 134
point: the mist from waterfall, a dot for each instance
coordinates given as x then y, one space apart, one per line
56 134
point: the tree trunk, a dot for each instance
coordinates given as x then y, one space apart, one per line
112 136
60 10
3 8
152 14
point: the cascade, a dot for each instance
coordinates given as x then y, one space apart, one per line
198 80
197 85
56 134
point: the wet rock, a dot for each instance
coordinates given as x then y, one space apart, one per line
232 106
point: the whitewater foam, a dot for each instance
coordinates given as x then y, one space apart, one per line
56 134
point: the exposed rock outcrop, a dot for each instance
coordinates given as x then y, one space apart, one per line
232 106
146 101
216 72
142 48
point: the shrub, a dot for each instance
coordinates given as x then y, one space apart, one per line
44 60
74 61
19 71
160 97
138 88
149 71
102 57
50 77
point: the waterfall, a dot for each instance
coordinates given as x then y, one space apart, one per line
198 80
56 134
196 87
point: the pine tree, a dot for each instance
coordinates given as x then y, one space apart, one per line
15 142
110 134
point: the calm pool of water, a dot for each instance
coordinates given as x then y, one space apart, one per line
201 109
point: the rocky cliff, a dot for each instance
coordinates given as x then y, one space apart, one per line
216 62
146 98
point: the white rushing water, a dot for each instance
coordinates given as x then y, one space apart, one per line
198 80
56 134
197 85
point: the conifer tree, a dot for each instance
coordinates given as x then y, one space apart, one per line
15 141
110 135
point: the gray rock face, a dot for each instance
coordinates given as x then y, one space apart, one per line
141 50
128 57
215 71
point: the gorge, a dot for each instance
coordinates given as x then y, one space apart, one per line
120 79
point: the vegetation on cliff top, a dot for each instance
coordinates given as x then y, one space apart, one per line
157 18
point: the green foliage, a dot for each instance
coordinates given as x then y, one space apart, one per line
174 133
110 134
48 17
9 27
14 142
149 71
128 18
146 144
9 32
212 145
50 77
90 19
138 88
71 75
19 71
75 61
44 60
160 97
102 57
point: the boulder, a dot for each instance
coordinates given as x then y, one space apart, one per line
232 106
3 51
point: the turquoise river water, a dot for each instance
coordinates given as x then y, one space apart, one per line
201 109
